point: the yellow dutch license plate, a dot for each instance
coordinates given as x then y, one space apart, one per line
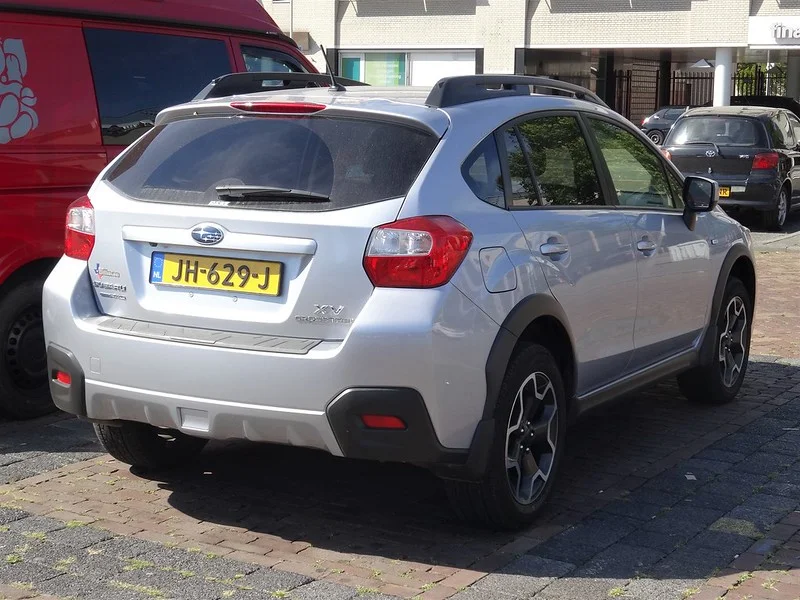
724 192
210 273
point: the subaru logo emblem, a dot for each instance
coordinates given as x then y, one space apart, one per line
207 235
710 153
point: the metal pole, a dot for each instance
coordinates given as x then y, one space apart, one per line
291 19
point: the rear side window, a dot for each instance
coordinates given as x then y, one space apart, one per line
674 113
724 131
350 162
483 173
137 74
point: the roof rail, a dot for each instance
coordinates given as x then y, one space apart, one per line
452 91
249 83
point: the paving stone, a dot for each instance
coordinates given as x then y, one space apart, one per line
323 590
721 456
634 510
764 462
770 426
173 585
34 524
271 580
522 578
684 518
691 562
196 562
663 542
7 515
704 465
712 501
780 488
763 510
660 589
742 442
675 481
785 444
125 547
720 539
564 551
660 498
78 537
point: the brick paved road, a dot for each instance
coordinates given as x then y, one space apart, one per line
658 499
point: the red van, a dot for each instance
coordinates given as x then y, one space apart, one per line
79 81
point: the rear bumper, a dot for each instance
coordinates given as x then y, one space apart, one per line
748 192
309 400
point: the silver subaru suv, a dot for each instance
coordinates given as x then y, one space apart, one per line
442 277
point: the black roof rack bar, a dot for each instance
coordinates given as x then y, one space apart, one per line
452 91
235 84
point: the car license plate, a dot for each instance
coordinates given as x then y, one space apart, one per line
724 192
211 273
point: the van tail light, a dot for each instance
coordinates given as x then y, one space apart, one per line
419 252
279 108
79 234
765 161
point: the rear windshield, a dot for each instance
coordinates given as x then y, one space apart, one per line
723 131
348 161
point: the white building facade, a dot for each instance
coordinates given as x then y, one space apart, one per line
612 46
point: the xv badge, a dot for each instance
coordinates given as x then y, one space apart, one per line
325 309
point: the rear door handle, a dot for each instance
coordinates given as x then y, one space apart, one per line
553 249
645 246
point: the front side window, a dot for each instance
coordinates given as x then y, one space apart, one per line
137 74
636 171
561 162
266 60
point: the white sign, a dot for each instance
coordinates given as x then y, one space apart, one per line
774 31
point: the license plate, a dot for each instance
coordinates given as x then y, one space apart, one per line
211 273
724 192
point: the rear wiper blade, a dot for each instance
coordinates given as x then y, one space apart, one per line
239 192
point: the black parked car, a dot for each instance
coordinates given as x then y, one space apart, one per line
657 125
752 152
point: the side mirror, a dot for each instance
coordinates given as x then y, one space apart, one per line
699 195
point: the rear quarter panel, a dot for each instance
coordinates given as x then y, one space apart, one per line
49 133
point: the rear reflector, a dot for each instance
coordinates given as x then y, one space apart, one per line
765 161
419 252
383 422
279 108
62 377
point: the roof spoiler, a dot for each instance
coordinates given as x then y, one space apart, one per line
453 91
235 84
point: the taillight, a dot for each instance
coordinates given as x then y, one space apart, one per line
419 252
765 160
79 235
279 108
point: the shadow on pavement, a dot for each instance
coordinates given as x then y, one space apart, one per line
653 489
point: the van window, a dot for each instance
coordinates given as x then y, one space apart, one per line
137 74
269 61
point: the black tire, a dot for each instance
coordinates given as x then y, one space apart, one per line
656 136
493 502
147 447
706 384
24 387
775 219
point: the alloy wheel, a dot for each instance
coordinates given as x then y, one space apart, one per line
782 206
531 437
733 342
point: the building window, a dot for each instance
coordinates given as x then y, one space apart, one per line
422 68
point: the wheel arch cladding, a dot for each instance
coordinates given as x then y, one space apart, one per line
538 318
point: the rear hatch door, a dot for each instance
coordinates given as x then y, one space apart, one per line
251 224
716 145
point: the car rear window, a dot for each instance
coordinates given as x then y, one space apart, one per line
724 131
351 161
